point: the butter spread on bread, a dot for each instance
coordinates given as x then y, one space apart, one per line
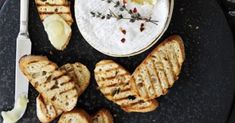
57 20
58 31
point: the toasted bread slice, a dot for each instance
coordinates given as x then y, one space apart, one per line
80 74
159 70
142 106
54 85
50 7
102 116
113 81
46 112
51 2
75 116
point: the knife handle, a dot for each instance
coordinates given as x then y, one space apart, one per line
24 8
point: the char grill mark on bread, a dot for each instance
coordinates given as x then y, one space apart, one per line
50 7
158 72
46 112
51 2
79 73
81 76
53 84
113 81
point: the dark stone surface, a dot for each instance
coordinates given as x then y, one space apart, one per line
203 94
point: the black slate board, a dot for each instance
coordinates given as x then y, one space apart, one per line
203 94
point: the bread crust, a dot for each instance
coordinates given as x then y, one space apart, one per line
60 7
53 84
170 76
80 74
113 81
104 114
77 115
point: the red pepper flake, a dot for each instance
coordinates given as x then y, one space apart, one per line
123 40
134 10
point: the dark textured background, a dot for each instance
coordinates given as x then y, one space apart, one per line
203 94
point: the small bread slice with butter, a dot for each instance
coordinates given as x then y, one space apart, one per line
53 84
114 82
75 116
57 20
46 112
159 71
58 31
102 116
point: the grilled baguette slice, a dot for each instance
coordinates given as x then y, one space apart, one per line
102 116
75 116
46 112
50 7
54 85
113 81
80 74
159 70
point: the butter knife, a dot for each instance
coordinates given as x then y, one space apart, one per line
23 47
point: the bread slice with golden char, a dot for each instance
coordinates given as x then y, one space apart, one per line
50 7
113 81
81 116
53 84
46 112
102 116
159 71
75 116
51 2
80 74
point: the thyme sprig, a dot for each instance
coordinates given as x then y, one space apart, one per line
134 14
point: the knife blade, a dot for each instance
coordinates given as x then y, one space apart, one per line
23 47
